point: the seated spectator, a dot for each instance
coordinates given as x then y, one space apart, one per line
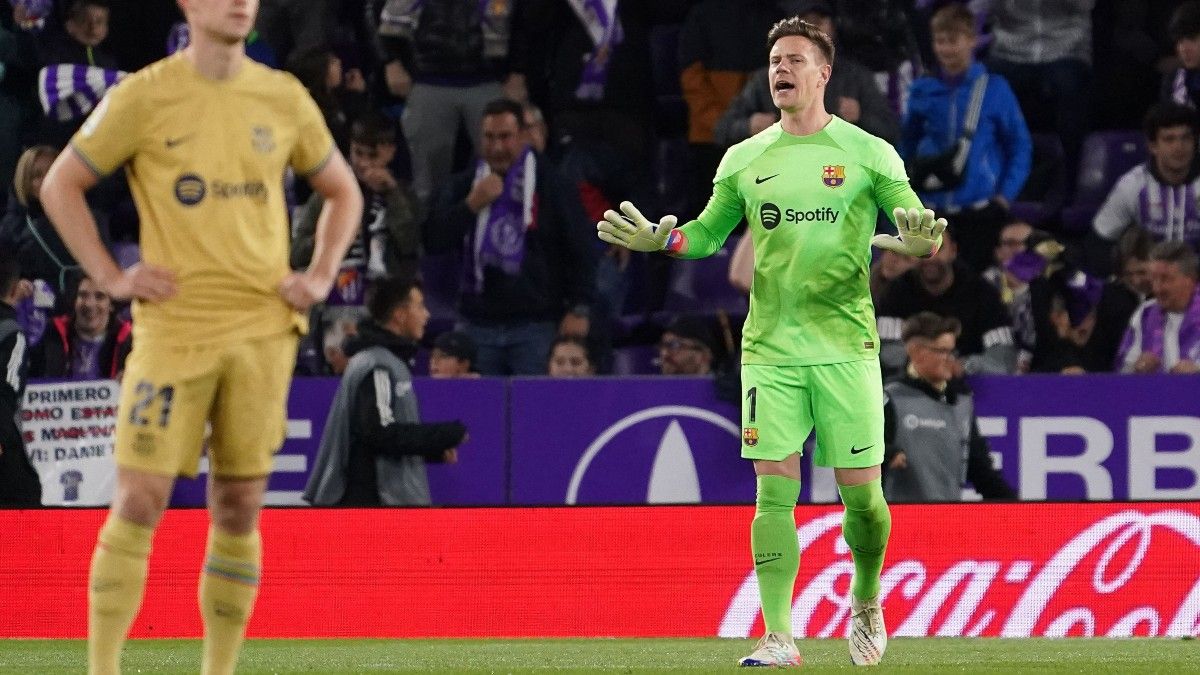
19 482
970 177
1059 306
1014 292
851 93
944 286
1182 85
453 356
374 447
1159 195
931 435
1164 332
90 342
25 228
1122 294
888 266
687 347
526 244
570 357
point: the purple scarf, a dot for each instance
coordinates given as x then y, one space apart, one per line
69 91
499 237
599 18
1153 324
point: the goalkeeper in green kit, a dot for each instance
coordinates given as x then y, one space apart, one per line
810 186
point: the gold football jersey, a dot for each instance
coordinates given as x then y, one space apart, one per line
205 161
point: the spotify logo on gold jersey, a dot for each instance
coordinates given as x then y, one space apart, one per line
770 215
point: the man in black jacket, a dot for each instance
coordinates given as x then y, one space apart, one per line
932 439
374 447
528 261
19 483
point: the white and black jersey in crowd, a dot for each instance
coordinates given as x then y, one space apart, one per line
19 483
986 344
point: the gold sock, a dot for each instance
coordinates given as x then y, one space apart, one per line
115 587
228 586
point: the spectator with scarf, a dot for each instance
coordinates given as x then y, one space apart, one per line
1164 333
88 343
527 248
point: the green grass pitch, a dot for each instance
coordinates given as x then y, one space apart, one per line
905 655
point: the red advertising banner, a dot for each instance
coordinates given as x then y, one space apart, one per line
971 569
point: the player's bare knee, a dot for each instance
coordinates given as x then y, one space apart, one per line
234 504
141 497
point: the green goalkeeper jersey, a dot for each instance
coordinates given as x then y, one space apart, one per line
812 203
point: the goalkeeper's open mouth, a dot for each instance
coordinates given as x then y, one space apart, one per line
784 85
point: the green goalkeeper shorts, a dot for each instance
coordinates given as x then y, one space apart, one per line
844 401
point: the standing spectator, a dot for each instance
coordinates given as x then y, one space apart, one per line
1044 50
1161 195
374 447
41 253
889 266
1164 333
851 93
528 256
687 347
570 357
453 355
971 178
18 101
716 58
19 483
931 435
86 29
944 286
447 58
294 26
1182 85
388 243
88 343
1122 294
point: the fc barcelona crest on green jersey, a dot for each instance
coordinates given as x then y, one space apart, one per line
834 175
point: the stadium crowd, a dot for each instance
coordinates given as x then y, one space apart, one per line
1059 139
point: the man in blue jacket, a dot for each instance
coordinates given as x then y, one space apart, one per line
969 177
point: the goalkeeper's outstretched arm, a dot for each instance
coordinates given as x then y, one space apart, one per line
697 239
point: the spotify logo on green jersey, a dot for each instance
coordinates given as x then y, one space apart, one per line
770 215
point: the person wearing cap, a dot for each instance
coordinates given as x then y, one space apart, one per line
453 356
687 347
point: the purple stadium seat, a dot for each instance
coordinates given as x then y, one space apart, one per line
703 285
1106 156
126 253
1041 199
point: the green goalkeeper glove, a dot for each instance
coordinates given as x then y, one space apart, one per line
633 230
920 233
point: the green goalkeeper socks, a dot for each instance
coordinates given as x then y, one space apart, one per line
866 526
776 549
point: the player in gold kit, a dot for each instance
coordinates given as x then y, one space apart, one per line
205 136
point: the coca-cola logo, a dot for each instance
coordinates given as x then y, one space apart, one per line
1106 580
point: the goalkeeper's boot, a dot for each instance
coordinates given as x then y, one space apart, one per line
774 650
868 635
